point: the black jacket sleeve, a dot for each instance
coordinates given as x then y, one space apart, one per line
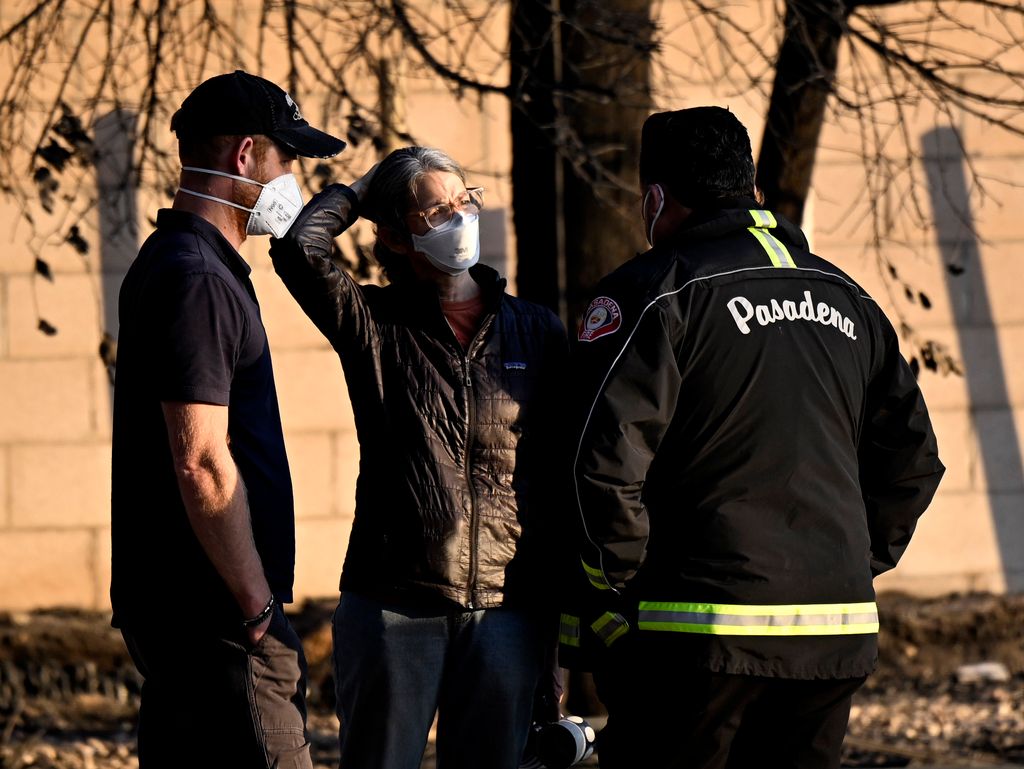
302 258
637 385
899 462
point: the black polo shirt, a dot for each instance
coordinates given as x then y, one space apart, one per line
190 331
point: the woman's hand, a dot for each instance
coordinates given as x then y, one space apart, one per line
360 185
321 220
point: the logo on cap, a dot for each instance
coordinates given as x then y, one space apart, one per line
603 317
291 103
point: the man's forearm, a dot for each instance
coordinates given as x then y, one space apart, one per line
218 511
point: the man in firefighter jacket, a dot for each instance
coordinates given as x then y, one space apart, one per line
753 451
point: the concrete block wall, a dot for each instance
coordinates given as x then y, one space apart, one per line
54 443
972 537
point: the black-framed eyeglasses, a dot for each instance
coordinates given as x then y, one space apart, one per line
470 202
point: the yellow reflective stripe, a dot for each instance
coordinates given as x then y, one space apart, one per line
763 218
775 248
685 627
770 610
569 630
775 619
596 576
609 627
611 638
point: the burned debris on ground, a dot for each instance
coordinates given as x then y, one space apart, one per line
948 689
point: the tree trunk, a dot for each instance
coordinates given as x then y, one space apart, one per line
536 167
608 55
804 75
391 98
577 109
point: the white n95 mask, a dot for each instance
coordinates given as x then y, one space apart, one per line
453 247
276 208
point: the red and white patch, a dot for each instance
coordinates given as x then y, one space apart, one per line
602 318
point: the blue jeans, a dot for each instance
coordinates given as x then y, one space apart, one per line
395 666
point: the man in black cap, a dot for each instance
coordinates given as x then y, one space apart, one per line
753 451
202 523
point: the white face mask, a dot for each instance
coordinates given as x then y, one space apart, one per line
453 247
276 208
661 205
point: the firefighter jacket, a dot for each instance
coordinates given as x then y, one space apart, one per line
754 450
456 446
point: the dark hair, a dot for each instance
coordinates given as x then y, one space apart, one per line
209 151
391 193
701 154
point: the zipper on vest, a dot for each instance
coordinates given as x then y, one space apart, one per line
474 518
474 521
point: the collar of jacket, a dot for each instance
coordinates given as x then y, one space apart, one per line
492 287
732 215
421 299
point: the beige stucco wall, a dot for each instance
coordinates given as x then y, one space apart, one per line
973 535
55 397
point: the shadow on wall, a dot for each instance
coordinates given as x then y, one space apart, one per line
117 207
990 408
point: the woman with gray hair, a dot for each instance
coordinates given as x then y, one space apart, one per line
448 578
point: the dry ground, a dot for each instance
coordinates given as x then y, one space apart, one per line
68 694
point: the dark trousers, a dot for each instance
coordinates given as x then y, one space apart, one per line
663 717
210 700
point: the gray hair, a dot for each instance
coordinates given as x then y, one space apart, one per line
393 187
391 193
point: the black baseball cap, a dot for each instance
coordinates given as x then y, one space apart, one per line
238 104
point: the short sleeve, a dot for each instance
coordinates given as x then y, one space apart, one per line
198 333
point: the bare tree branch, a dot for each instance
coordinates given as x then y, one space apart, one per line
82 59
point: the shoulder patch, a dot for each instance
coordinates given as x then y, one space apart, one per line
603 317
